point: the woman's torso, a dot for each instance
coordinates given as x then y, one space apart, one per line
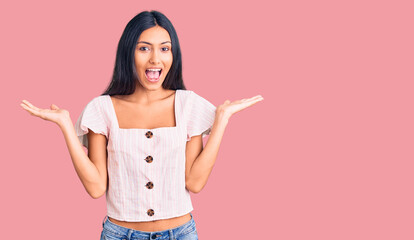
125 112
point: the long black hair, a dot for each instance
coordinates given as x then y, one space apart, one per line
125 76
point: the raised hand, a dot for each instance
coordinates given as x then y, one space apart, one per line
54 114
227 109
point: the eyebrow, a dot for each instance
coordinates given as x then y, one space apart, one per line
151 44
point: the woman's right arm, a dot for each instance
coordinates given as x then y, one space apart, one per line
91 168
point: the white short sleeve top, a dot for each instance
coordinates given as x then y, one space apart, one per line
146 167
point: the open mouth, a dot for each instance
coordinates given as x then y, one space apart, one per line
153 74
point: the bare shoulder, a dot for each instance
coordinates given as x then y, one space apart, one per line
119 98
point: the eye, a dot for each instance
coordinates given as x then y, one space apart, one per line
142 48
166 49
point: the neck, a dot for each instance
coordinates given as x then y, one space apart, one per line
146 96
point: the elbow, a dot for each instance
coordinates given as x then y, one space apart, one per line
194 188
98 193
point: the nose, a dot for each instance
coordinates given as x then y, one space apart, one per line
155 58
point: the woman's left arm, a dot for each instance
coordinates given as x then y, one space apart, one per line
200 162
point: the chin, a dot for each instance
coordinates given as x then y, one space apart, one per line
151 86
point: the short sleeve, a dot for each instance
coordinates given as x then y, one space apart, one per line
200 117
91 118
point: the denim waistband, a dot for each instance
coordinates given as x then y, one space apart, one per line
136 234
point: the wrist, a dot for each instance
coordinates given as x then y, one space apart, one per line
221 120
65 123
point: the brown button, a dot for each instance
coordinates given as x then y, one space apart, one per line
150 212
149 159
149 134
149 185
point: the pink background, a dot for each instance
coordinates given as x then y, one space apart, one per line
328 154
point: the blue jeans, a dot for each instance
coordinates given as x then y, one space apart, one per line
112 231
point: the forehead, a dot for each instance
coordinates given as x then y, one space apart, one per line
155 35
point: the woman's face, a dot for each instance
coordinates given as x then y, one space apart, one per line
153 57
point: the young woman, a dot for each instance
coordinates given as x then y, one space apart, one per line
144 136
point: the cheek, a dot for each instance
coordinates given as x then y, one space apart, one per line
139 62
168 60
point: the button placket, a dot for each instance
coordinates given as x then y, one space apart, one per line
149 159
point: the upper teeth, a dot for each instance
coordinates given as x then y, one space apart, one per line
154 70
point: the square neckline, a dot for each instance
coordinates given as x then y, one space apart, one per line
146 129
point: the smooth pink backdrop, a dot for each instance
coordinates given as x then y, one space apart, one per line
327 155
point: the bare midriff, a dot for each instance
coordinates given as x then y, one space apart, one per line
153 226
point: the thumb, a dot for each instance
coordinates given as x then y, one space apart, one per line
54 107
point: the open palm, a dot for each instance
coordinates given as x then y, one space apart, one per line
54 114
229 108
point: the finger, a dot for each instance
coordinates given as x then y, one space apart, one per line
250 102
30 110
254 102
257 96
253 99
30 105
